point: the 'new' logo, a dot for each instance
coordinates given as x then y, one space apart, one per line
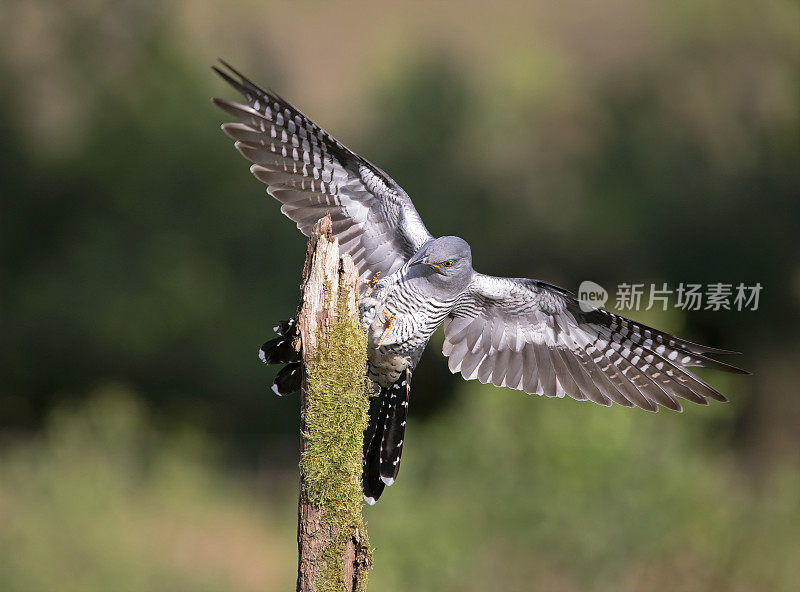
591 296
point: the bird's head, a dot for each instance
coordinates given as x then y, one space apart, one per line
445 261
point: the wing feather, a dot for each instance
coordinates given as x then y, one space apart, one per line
311 173
535 337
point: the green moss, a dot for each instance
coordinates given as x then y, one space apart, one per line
337 413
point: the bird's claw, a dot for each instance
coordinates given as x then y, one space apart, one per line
388 324
372 283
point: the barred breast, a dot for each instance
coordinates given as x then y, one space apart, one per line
399 321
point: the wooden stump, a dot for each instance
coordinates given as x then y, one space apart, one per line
334 551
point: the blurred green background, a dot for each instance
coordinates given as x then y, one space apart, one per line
142 266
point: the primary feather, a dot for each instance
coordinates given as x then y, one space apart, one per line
310 172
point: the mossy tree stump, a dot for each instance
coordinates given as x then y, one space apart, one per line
334 553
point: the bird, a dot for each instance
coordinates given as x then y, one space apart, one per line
521 333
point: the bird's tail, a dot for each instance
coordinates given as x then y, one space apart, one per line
383 438
281 351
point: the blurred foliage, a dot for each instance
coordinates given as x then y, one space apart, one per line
501 492
103 501
128 259
535 494
624 142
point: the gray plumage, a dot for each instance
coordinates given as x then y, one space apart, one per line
520 333
312 173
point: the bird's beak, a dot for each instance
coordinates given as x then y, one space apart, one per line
418 259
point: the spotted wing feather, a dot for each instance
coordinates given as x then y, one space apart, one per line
533 336
311 173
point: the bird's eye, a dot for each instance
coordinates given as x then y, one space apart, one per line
448 263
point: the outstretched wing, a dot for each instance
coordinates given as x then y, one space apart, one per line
533 336
311 173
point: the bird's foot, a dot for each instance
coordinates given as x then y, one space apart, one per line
388 324
372 283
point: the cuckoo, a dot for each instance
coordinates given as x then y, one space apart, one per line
520 333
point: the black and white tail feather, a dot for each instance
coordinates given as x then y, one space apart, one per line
281 351
383 438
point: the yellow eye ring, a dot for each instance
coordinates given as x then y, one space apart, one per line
448 263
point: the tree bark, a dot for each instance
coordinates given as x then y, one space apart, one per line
333 548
